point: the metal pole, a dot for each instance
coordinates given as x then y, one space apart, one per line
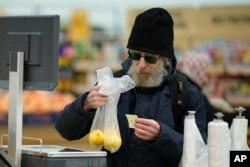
15 117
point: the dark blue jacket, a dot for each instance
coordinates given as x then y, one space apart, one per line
154 103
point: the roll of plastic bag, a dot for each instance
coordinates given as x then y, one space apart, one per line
238 132
194 148
219 143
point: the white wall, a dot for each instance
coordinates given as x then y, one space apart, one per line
109 14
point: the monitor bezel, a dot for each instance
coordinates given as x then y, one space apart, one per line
38 37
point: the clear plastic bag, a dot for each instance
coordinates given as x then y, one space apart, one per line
96 135
112 87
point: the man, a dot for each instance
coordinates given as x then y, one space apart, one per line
155 141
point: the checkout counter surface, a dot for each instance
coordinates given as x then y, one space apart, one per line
53 156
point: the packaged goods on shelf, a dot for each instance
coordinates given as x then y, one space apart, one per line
38 106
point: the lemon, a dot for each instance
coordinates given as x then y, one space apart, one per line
96 137
112 142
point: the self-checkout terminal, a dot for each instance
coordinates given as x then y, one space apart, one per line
29 61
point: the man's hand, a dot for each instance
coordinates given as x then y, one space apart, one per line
147 129
94 99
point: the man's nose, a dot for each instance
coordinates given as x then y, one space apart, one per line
142 62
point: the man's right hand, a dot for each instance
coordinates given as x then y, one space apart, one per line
94 99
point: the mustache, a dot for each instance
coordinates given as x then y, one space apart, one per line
154 77
144 70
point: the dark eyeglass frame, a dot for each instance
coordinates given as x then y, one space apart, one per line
147 57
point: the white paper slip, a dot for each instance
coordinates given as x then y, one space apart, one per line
131 120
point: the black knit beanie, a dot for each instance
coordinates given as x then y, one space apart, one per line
153 33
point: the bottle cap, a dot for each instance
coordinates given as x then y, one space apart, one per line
191 114
240 111
219 116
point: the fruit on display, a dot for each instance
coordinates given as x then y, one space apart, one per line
38 101
4 101
96 137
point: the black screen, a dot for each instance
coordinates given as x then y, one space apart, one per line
38 38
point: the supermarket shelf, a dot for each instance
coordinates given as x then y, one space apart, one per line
238 100
232 70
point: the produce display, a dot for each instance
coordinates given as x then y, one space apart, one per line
38 101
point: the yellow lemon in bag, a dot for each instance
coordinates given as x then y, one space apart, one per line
96 137
112 142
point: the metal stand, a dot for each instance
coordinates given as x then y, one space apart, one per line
15 117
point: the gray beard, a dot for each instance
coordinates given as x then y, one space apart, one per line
153 80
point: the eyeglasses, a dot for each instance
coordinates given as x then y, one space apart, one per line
148 58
